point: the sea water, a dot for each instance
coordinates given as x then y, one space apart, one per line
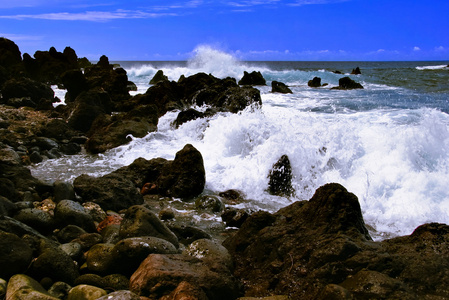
387 143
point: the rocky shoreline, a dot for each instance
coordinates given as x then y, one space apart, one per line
131 234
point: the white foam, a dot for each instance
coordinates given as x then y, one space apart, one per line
439 67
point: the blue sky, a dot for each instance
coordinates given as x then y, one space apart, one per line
247 29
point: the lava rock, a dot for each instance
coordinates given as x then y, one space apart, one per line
111 192
159 76
15 255
187 115
356 71
87 107
140 221
69 212
40 220
37 92
315 82
280 178
253 78
159 274
279 87
347 83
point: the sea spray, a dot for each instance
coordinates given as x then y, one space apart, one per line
386 143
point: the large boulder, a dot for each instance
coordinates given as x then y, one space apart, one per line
347 83
323 246
315 82
15 255
75 82
159 76
119 129
185 177
253 78
40 94
140 221
280 87
87 107
159 275
111 192
10 58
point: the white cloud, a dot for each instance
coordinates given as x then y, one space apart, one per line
311 2
248 3
94 16
440 48
416 48
21 37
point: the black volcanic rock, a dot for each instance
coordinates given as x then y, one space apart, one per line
279 87
347 83
159 76
315 82
253 78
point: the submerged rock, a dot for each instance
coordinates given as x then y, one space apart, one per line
356 71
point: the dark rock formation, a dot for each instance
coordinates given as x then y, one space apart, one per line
109 132
39 94
356 71
280 178
253 78
188 115
15 255
323 247
159 274
111 192
75 82
159 76
87 107
315 82
347 83
279 87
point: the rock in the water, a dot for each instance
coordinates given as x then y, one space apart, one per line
140 221
315 82
234 217
356 71
185 177
158 275
347 83
253 78
187 115
280 178
23 287
15 255
159 76
280 87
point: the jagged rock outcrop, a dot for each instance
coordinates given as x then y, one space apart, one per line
253 78
279 87
347 83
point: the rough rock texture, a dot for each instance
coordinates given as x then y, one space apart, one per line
159 274
111 192
253 78
38 93
159 76
280 178
15 255
109 133
140 221
280 87
320 249
315 82
347 83
23 287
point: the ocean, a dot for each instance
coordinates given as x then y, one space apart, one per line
387 143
